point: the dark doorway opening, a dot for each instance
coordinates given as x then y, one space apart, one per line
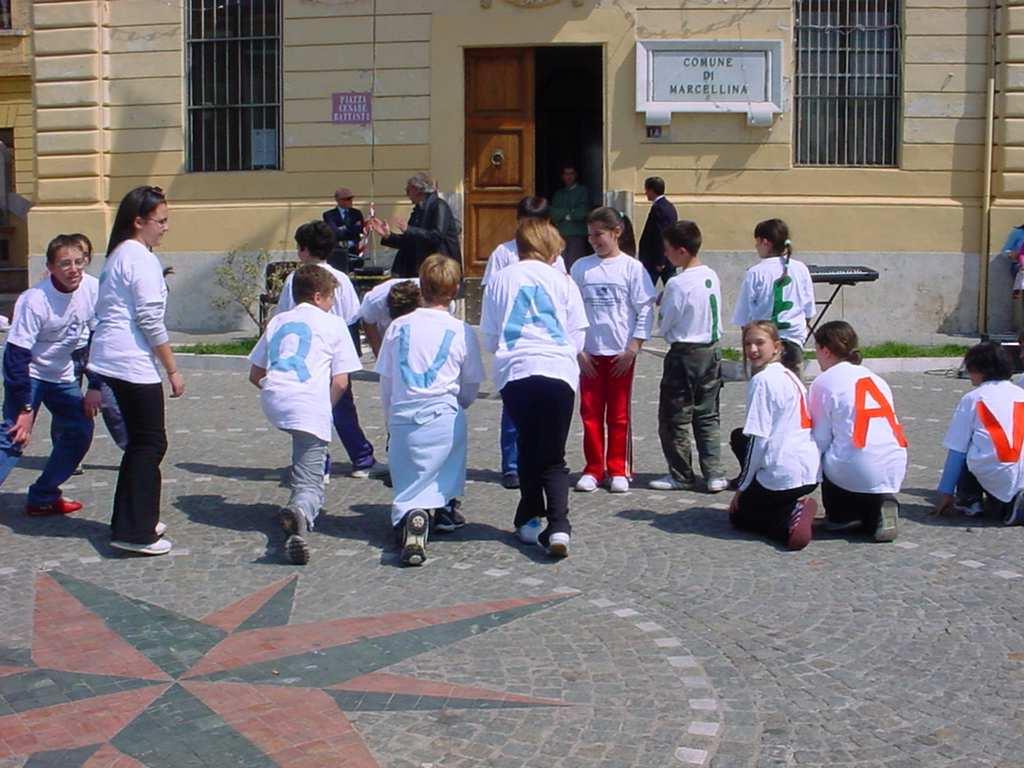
569 117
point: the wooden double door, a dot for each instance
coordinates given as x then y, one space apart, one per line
500 147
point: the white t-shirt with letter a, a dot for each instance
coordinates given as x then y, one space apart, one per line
533 321
301 351
988 425
863 446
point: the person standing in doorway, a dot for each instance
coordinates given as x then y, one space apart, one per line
432 228
661 216
346 223
129 341
569 208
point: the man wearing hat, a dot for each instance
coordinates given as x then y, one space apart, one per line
347 224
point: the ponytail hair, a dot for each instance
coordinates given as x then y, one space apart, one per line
138 203
839 338
776 232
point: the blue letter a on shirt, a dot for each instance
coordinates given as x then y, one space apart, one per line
421 380
532 306
295 362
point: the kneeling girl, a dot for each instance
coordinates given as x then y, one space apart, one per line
780 461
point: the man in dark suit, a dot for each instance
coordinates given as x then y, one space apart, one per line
347 224
432 228
662 215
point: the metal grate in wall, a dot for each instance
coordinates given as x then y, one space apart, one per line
847 82
233 74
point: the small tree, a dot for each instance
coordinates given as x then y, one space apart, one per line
240 279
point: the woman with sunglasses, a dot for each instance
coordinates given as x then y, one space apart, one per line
128 345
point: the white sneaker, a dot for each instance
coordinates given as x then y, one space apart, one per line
529 531
375 470
586 484
161 528
619 484
974 509
158 547
558 545
717 484
669 483
327 478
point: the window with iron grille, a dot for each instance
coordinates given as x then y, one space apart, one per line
233 66
847 82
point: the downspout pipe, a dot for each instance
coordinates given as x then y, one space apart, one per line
986 201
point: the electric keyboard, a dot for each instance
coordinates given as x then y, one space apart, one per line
842 275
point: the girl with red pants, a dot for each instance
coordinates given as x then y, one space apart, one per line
619 297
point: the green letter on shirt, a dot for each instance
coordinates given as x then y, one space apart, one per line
779 304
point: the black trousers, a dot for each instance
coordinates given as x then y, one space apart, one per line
541 409
137 497
767 512
740 444
843 506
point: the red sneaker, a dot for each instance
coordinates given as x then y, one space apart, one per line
800 521
61 506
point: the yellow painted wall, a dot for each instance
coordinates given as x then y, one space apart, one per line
109 97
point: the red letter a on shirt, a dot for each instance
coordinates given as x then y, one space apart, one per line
881 410
1004 451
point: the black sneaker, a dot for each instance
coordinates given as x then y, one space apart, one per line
415 528
448 519
295 546
888 520
510 480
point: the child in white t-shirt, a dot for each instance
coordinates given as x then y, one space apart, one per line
505 255
691 379
779 467
619 300
301 366
315 242
374 311
533 321
863 447
778 289
985 460
430 372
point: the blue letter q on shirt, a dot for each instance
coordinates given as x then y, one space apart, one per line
295 362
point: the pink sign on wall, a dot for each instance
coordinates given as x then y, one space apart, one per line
351 108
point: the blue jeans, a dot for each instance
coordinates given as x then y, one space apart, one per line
346 422
73 431
509 453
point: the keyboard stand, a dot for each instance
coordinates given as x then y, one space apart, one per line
826 304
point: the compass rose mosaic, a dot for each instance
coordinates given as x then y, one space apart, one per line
115 682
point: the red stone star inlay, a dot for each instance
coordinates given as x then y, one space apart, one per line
115 682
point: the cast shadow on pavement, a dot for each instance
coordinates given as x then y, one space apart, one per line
38 463
375 529
12 515
252 474
216 511
922 512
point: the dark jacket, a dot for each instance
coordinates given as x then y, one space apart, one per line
348 232
652 251
432 228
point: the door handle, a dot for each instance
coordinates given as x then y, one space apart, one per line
497 158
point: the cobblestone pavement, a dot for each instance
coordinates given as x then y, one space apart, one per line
666 639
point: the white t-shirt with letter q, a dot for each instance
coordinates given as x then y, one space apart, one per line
301 351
